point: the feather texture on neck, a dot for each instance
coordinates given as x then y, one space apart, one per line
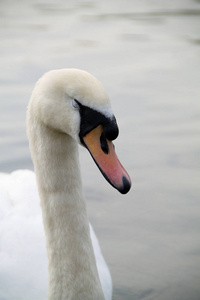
72 268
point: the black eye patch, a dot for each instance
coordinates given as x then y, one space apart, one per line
91 118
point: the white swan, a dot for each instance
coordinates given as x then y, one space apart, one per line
68 107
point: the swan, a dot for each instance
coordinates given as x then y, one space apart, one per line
68 107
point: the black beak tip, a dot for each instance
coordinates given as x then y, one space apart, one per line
126 186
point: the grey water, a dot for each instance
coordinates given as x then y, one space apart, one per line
147 55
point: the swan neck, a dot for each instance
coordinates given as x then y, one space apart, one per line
72 268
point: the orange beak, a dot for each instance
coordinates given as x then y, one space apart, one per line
103 153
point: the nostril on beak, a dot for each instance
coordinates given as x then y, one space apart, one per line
104 144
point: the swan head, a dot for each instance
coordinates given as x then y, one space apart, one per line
74 102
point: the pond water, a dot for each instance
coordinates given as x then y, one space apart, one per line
147 55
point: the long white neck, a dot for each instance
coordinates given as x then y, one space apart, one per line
72 267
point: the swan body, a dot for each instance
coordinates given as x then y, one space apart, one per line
67 107
23 261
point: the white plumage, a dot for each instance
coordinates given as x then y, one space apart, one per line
23 259
67 107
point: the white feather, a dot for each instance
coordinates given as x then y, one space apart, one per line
71 260
23 259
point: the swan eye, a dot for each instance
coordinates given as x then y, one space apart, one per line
75 104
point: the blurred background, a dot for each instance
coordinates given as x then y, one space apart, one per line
146 53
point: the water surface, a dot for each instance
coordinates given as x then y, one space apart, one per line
147 55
